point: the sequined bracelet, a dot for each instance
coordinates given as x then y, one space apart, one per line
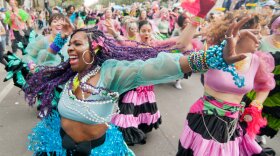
189 62
58 43
197 62
200 61
193 59
204 60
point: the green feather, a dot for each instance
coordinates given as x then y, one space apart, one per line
16 62
20 78
9 75
20 45
12 57
11 63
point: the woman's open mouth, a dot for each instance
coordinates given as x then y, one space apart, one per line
73 60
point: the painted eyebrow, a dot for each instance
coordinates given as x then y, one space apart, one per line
75 41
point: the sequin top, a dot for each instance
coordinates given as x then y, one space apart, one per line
121 76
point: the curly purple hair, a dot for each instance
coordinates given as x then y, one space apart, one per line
43 83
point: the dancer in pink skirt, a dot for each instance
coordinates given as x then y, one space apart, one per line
138 109
216 124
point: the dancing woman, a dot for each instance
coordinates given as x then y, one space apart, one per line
108 18
37 53
96 73
17 19
271 105
37 50
138 108
215 123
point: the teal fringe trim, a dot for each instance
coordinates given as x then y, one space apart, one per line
114 145
16 70
45 137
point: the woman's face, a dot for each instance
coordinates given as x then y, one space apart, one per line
248 44
79 52
56 25
145 33
277 30
72 10
143 14
265 31
12 3
133 28
108 14
164 13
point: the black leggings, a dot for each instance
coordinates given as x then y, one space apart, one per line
2 51
19 38
76 149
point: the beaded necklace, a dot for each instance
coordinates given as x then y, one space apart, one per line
76 83
107 97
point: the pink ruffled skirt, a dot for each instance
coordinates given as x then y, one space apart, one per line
212 128
138 114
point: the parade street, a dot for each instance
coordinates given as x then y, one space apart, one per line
17 119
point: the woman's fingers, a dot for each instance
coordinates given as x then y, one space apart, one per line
230 46
230 30
232 36
67 28
239 25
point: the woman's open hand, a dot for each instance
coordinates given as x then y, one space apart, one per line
67 28
233 35
110 28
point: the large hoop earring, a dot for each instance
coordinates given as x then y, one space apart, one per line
84 58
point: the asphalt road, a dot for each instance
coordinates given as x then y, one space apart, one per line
17 119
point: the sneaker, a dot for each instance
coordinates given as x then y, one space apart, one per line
178 84
269 151
261 140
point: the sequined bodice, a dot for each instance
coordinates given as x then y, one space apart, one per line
87 112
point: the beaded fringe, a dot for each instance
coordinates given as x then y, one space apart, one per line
45 138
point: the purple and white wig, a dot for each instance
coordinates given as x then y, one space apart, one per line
43 83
